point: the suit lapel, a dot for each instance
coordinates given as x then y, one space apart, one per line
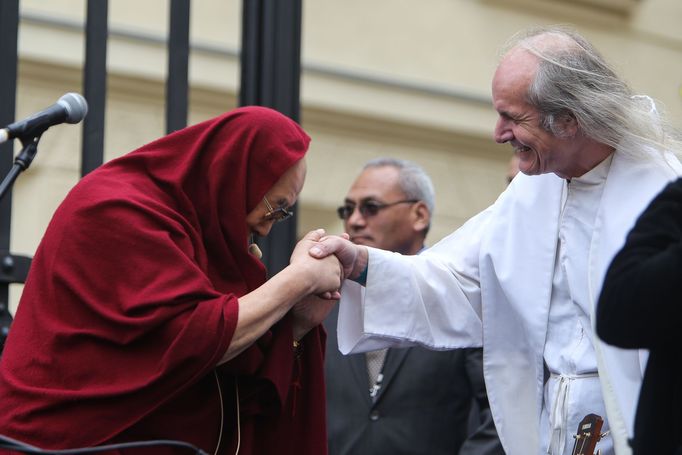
358 366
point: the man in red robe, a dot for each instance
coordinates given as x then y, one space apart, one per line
146 316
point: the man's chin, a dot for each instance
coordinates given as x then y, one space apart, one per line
529 168
531 171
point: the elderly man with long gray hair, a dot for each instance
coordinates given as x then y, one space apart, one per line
522 277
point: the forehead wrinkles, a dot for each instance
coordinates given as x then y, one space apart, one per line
517 69
285 192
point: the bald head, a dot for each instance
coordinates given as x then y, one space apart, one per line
544 42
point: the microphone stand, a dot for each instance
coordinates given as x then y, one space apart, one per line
21 162
14 268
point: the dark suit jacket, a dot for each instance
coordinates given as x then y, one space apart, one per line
640 307
423 406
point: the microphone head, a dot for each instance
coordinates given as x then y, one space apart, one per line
75 105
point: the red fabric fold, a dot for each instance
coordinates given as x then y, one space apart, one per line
131 301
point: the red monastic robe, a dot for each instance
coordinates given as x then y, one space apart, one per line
131 301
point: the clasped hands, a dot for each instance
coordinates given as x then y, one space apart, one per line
329 259
323 262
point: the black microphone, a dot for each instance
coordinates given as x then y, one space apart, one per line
70 108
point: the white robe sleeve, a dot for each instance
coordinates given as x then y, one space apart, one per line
432 299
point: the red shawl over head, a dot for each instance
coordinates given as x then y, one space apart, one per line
132 300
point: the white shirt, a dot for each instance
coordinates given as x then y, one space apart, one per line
573 389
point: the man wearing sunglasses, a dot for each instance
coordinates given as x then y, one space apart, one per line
411 400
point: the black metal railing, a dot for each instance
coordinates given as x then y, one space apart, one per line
95 84
9 273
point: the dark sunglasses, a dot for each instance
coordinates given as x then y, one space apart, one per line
278 214
368 208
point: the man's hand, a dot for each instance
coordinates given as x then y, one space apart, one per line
324 274
310 312
308 241
353 258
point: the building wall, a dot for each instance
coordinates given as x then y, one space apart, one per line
381 77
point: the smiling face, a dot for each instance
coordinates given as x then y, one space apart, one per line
282 194
539 151
399 227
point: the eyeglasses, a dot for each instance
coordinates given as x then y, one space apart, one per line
368 208
278 214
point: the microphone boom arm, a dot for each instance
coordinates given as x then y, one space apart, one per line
21 163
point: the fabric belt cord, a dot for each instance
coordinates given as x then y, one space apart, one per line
558 419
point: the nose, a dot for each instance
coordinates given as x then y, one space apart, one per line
264 228
355 221
503 132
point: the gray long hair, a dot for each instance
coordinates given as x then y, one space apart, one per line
574 80
413 180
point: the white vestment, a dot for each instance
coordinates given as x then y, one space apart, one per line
572 389
490 283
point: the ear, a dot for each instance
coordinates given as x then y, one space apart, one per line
569 125
421 216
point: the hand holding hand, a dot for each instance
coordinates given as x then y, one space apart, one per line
353 258
310 312
324 274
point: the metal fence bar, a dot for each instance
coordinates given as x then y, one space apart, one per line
270 76
9 24
95 84
178 66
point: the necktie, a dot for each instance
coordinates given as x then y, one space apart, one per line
375 362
